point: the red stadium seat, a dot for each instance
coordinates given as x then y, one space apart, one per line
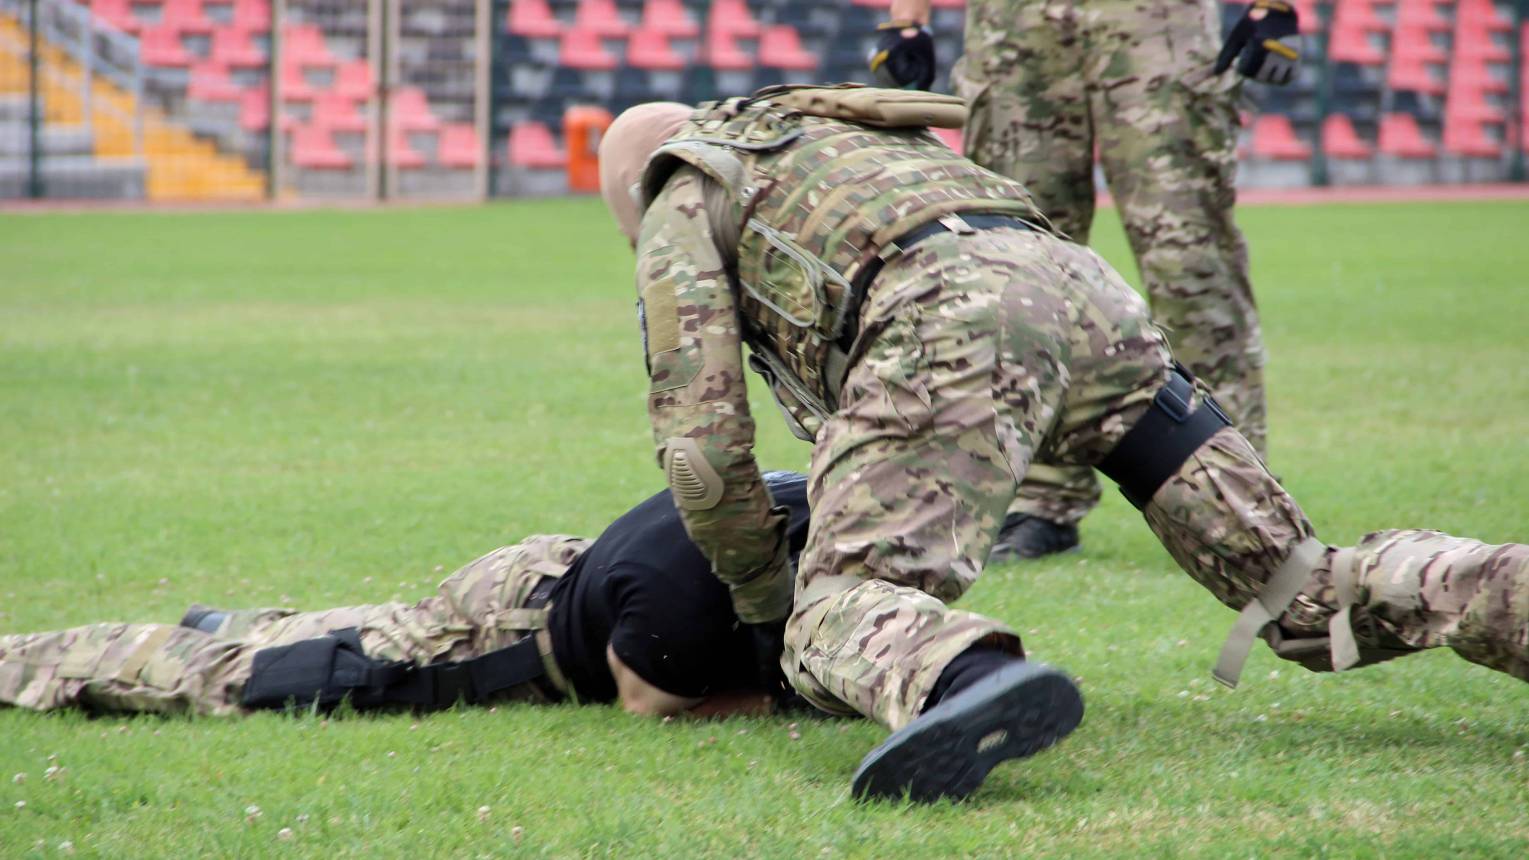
161 46
1470 139
337 113
313 148
531 145
1481 14
409 110
233 47
1340 140
1414 75
459 146
210 83
723 53
534 20
185 16
650 49
294 87
118 13
1400 136
1275 138
1353 23
602 18
670 18
401 151
781 48
733 18
252 15
353 80
303 45
255 109
582 49
1422 14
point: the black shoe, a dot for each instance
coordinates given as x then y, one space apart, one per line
203 618
946 752
1026 536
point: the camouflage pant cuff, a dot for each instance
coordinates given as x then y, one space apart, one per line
1053 510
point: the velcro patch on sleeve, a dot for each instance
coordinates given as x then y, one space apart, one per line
661 316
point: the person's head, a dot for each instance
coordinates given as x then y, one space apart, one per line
624 151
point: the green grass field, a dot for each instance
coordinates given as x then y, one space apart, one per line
319 408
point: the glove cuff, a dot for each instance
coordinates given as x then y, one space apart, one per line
904 25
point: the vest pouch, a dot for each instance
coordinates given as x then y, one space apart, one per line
782 275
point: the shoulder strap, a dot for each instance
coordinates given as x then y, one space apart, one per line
874 106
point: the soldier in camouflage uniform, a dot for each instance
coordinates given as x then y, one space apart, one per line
1049 82
919 323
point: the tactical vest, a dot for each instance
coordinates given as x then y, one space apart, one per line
817 198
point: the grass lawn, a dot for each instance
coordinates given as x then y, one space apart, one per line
320 408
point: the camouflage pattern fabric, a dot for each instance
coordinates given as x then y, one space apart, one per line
170 669
1230 525
1048 81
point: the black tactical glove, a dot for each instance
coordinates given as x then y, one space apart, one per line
1268 39
769 641
904 56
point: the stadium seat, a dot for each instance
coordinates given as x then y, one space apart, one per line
252 15
534 19
336 113
353 80
303 46
1354 23
733 18
583 49
294 86
1400 136
210 83
1415 75
459 146
1470 139
781 48
650 49
401 152
185 16
161 46
602 18
313 148
1421 14
1275 138
255 109
531 145
234 48
409 110
722 51
670 18
118 13
1340 140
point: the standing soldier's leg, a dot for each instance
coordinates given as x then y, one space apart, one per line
124 667
1167 134
1029 121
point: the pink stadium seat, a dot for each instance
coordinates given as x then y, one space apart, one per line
733 18
303 45
1414 75
1275 138
534 20
531 145
1423 14
255 109
337 113
1469 139
161 46
294 87
602 18
670 18
409 110
650 49
459 146
951 137
185 16
252 15
1400 136
1481 14
1340 140
313 148
233 47
723 53
118 13
1353 23
210 83
353 80
582 49
401 152
949 4
781 48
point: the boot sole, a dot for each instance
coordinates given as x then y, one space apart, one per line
946 753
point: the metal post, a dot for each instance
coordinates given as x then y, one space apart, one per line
1319 176
377 126
34 106
1515 135
483 98
273 149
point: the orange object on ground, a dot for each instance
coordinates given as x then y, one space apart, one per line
583 126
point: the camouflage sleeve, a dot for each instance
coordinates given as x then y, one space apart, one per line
698 402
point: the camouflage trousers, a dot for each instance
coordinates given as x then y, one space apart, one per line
1048 82
980 353
170 669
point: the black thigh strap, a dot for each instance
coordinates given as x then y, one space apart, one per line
480 679
1152 450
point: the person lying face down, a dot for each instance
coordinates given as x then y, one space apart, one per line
634 617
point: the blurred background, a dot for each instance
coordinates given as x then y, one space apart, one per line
249 100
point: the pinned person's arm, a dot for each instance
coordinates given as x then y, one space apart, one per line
698 402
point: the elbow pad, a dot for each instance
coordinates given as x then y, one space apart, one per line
695 484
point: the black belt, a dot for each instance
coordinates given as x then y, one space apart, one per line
1162 439
900 245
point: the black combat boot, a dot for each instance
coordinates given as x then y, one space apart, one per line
987 707
1026 536
203 618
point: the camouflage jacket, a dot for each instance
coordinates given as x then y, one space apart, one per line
757 221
